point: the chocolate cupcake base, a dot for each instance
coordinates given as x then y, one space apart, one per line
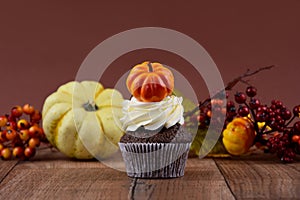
155 160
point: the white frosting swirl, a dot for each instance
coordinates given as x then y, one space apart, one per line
152 115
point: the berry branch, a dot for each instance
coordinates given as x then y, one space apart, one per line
21 135
248 73
269 127
228 87
271 124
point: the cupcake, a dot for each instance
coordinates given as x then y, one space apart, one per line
155 143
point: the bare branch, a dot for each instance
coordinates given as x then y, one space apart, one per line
248 73
229 86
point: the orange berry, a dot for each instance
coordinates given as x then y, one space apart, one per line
28 109
11 134
29 152
18 152
3 120
296 138
36 116
34 131
6 153
34 142
24 135
209 113
22 124
17 111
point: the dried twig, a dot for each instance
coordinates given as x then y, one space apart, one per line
248 73
229 86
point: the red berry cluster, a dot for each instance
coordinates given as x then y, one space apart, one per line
271 124
274 116
19 137
287 144
216 106
205 115
281 145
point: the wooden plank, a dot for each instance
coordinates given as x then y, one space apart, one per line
6 167
202 180
51 175
261 177
54 159
63 183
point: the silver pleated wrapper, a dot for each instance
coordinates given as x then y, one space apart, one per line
155 160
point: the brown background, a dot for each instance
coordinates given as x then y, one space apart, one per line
43 44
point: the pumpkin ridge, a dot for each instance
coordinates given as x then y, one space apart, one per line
51 139
108 136
97 90
65 92
143 86
76 144
104 104
101 124
165 80
137 79
97 93
160 79
54 99
59 121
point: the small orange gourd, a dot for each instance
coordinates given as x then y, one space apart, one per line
150 82
238 136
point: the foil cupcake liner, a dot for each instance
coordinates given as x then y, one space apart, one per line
155 160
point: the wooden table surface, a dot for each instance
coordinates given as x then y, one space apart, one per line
50 175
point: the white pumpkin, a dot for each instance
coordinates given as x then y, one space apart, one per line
81 119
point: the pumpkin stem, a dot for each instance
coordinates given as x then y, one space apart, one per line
150 67
90 106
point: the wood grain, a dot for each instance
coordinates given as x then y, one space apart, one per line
202 180
6 167
89 183
51 175
54 159
261 177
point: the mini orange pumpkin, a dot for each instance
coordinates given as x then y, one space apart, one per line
150 82
238 136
